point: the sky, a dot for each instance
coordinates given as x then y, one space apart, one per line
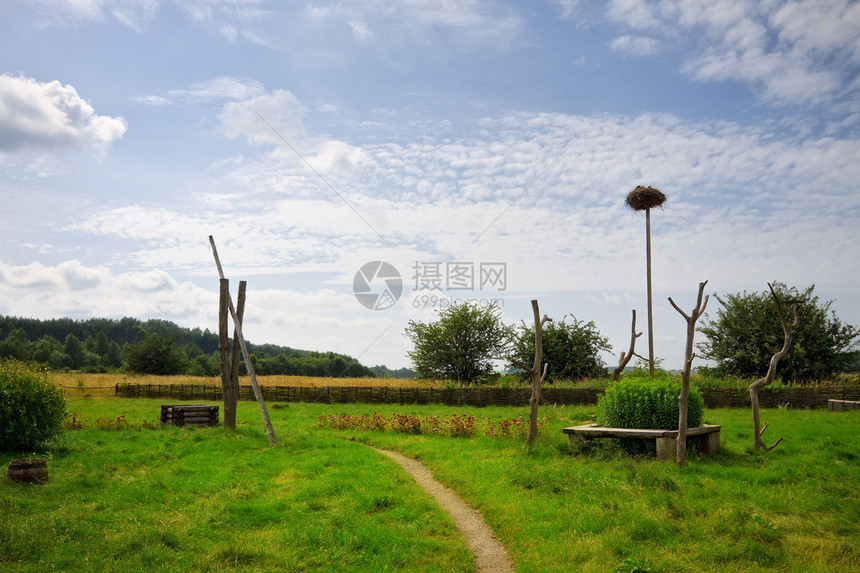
463 150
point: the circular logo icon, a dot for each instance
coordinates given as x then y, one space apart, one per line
377 285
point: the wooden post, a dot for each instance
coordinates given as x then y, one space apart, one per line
233 382
223 356
270 431
787 329
681 451
535 372
650 311
625 358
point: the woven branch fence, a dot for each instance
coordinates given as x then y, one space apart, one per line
798 397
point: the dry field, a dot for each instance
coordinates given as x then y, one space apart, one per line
77 382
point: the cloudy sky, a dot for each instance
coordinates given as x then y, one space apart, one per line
484 148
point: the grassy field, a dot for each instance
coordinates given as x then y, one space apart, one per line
202 500
80 382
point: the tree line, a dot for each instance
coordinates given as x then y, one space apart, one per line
153 346
467 342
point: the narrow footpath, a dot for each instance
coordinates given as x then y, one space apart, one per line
490 555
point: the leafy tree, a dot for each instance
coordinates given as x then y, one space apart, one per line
155 354
16 345
461 345
747 332
571 348
44 351
75 351
102 344
113 357
202 365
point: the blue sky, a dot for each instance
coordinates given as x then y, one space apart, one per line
311 138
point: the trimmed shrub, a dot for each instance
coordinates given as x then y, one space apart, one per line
32 409
647 404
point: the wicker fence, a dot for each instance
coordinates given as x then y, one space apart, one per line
800 397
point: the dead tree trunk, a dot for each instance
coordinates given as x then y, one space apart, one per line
758 430
625 358
698 311
535 373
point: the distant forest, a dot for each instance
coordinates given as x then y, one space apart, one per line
108 345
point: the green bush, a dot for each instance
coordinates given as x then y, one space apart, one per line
32 409
647 404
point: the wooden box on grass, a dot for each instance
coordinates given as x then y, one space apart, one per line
189 414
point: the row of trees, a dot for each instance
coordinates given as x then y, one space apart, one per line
466 341
153 347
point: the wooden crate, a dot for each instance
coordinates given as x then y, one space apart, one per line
189 414
28 471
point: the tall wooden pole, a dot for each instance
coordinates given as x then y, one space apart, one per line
230 398
236 351
650 311
251 374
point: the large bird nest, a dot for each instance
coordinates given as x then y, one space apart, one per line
643 198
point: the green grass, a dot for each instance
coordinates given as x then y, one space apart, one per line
203 500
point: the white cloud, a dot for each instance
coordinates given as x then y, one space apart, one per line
73 289
634 45
360 31
50 115
802 52
816 54
135 14
567 231
634 13
220 89
153 100
266 118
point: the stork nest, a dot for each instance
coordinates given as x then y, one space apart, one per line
643 198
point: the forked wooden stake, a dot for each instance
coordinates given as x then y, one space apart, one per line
787 329
237 324
626 356
681 450
535 372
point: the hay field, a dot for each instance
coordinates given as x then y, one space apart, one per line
83 381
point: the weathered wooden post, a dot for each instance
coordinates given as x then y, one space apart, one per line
535 372
625 357
698 311
229 365
270 431
787 329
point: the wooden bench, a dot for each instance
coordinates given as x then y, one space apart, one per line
189 414
837 405
666 440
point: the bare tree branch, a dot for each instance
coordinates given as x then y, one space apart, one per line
535 372
681 451
625 358
787 329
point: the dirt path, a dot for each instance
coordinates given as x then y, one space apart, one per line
490 554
